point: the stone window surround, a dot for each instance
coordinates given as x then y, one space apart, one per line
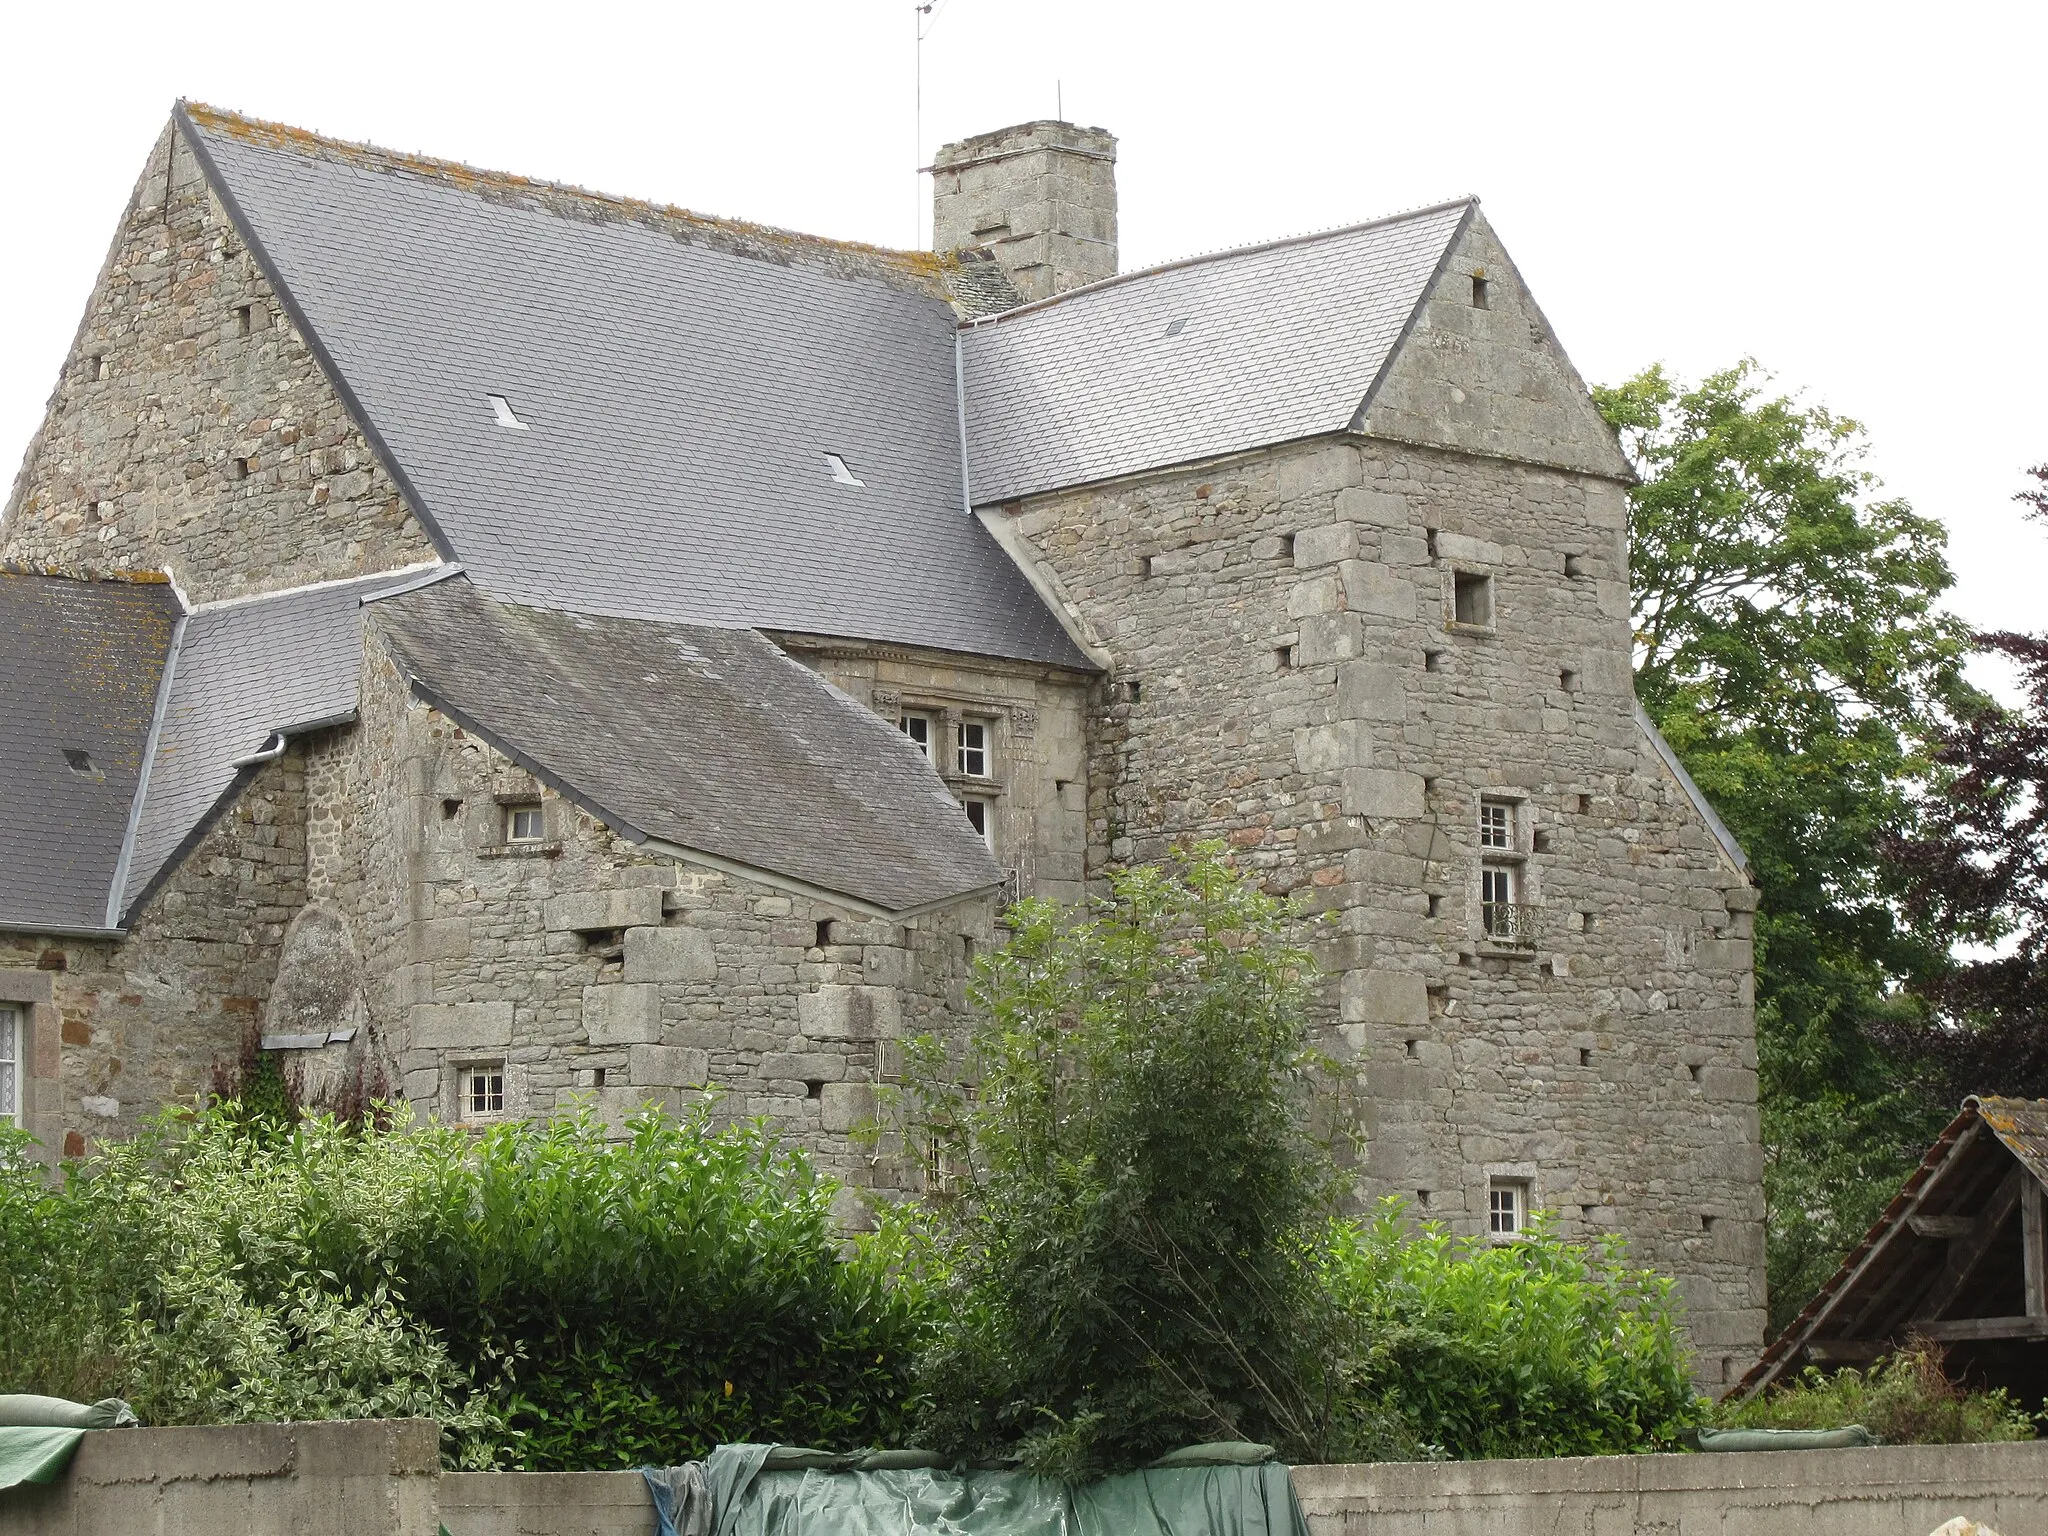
947 712
454 1066
1452 624
1525 1175
40 1045
1527 876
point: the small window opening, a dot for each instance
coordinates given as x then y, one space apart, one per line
1422 1198
1585 1056
919 729
1568 680
1585 805
1430 535
95 367
1706 1222
1175 326
524 823
244 319
450 809
1283 657
814 1088
1480 298
1436 906
840 472
238 469
1472 598
1496 824
967 949
1414 1049
1133 692
93 512
971 741
501 408
1575 565
79 761
1693 1070
1286 546
483 1089
978 817
1432 661
1507 1208
823 937
1540 842
1586 1212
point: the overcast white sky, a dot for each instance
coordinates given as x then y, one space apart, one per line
1851 193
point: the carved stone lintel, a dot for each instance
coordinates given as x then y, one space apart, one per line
887 701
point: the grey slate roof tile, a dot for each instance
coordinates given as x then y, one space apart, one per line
680 390
79 666
244 670
712 740
1274 343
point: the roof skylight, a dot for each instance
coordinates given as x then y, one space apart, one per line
840 472
1176 325
507 417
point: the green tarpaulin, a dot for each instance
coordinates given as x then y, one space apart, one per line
35 1454
754 1490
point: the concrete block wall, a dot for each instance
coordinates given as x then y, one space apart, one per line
1290 677
368 1477
192 430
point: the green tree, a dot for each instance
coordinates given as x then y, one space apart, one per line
1132 1207
1789 646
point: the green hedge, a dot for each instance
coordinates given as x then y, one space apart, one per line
557 1301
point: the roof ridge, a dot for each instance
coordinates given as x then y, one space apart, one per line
1223 253
251 598
458 173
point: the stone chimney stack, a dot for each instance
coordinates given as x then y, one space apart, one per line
1041 195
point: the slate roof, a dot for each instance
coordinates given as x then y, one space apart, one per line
710 740
245 669
680 383
82 664
1200 358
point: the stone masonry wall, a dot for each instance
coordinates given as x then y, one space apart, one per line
1037 762
1041 196
1289 677
588 966
192 430
129 1027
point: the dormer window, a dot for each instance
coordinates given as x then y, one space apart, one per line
973 748
919 729
524 823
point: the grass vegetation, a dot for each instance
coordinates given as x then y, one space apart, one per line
1905 1400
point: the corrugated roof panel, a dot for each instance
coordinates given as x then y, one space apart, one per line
1274 343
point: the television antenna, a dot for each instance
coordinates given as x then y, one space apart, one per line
926 16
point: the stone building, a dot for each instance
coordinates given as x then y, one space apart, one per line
489 641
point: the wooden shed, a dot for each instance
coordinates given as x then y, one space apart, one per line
1956 1258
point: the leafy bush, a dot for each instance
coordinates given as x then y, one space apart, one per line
1906 1400
553 1299
1128 1223
1464 1348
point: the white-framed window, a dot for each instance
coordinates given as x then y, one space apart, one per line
524 823
1497 888
1507 1208
919 729
1497 825
480 1089
13 1039
972 743
981 815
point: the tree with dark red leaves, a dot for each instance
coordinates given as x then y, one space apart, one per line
1976 868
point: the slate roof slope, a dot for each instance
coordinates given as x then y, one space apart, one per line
709 740
1203 357
246 669
680 382
80 662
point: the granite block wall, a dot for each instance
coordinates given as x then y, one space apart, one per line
1292 676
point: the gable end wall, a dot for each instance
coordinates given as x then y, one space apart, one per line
175 441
